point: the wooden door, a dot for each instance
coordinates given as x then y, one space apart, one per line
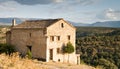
51 54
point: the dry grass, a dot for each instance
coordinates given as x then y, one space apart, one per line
15 62
2 34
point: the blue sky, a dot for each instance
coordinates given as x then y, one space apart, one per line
80 11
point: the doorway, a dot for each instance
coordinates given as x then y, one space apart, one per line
78 60
29 48
51 54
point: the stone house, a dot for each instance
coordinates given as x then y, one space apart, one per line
44 38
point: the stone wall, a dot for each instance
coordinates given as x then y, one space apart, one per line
21 38
57 30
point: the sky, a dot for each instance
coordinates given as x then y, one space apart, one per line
79 11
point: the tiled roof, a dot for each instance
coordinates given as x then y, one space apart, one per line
36 23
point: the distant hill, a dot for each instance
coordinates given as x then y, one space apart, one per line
7 21
78 24
99 24
106 24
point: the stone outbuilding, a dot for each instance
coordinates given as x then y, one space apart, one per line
44 38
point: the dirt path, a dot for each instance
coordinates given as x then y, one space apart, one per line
56 65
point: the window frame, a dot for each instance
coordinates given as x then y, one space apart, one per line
69 37
62 25
58 50
58 38
30 34
52 38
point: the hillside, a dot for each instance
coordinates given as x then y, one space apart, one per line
7 21
106 24
3 30
88 31
99 47
113 24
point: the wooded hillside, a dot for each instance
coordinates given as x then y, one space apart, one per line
99 46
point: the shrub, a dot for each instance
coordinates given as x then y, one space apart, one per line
6 48
69 48
105 64
29 54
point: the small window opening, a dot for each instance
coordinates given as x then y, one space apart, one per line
68 37
58 50
52 38
62 25
58 38
58 60
30 34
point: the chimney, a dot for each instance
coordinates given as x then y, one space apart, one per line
13 22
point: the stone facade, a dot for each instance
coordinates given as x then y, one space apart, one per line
45 40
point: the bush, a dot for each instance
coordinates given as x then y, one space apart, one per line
69 48
6 48
105 64
29 54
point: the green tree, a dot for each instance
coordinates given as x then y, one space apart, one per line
69 48
105 64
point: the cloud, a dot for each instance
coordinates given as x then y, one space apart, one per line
58 1
7 5
34 2
3 1
83 2
109 14
70 5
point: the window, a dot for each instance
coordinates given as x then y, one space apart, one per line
58 50
30 34
51 38
68 37
62 25
58 38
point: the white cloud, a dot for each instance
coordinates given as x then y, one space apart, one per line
109 14
34 2
58 1
7 6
